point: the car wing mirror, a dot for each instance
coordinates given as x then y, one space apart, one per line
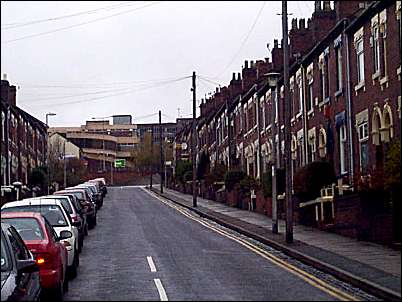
27 266
65 235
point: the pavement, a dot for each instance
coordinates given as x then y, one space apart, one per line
372 267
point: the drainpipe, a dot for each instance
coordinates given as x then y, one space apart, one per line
305 131
349 104
7 132
258 111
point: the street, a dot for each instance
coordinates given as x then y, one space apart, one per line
144 249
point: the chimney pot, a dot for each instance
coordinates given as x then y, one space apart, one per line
245 64
251 64
294 23
234 76
327 6
317 6
238 76
308 23
302 24
275 43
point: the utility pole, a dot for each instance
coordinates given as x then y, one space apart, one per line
161 150
193 137
152 154
64 165
275 97
288 165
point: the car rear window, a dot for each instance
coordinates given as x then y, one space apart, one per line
77 194
66 204
52 213
28 228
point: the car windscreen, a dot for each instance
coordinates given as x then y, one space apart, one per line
53 213
77 194
28 228
66 204
5 255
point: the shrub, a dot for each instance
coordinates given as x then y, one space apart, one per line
248 183
232 178
310 179
182 167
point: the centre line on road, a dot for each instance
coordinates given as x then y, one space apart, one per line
151 264
161 290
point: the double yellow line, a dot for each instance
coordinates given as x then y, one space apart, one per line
311 279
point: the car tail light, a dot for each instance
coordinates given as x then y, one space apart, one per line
44 260
74 218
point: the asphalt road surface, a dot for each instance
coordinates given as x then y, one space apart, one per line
145 249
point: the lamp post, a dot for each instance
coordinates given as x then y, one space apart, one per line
272 79
47 153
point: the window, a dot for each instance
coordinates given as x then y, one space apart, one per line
3 122
363 142
326 77
338 59
360 61
342 148
300 96
376 50
310 98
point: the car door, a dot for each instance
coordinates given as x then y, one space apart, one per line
60 252
27 283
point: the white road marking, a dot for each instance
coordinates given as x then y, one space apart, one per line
151 264
161 290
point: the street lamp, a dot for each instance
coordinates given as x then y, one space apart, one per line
272 81
47 153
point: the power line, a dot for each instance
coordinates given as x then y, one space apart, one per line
244 41
100 92
79 24
116 94
21 24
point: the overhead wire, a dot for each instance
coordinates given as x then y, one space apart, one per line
22 24
79 24
244 41
100 92
115 94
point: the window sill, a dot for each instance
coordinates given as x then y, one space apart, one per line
375 76
360 86
298 116
398 72
384 82
338 93
324 102
310 113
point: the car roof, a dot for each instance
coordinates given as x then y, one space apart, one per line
32 201
21 214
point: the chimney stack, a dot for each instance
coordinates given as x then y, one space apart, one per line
302 24
327 6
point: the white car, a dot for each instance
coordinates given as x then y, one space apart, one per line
59 219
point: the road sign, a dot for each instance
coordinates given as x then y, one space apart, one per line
119 163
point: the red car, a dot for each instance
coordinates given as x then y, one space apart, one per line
50 254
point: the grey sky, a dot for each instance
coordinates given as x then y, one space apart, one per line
167 40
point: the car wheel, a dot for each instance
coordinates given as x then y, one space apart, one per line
65 285
73 268
59 293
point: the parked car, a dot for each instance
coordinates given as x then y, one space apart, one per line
82 211
72 210
50 254
97 187
102 185
58 218
96 196
20 280
103 181
86 201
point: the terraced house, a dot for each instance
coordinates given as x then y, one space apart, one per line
345 101
23 139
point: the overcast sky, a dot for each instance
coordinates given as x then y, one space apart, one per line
90 59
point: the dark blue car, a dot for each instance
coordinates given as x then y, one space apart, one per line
19 271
